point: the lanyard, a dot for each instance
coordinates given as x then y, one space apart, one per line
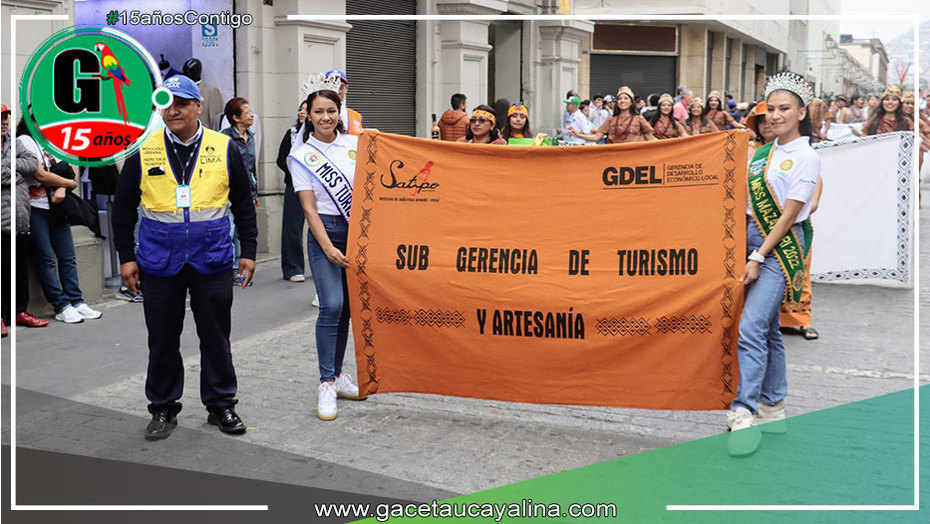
185 176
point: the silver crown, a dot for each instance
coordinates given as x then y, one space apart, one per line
319 82
789 81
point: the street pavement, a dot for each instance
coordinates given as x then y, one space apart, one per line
80 390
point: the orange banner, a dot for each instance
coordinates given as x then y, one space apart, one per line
600 275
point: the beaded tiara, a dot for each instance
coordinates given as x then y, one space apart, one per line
789 81
319 82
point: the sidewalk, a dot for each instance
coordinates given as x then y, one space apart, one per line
426 446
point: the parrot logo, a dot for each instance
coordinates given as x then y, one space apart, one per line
114 72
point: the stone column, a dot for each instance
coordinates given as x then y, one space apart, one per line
558 66
274 56
734 86
464 59
692 59
718 63
463 50
749 74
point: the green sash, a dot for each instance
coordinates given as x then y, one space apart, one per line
766 212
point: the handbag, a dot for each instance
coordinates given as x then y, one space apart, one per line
75 211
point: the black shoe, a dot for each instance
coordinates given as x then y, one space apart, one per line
227 420
161 425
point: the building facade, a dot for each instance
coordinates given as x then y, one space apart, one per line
871 68
401 72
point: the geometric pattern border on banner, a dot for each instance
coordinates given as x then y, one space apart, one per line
361 261
376 319
901 273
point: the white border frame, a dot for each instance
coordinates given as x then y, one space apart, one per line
14 111
915 19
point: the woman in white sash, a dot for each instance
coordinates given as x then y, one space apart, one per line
782 178
322 166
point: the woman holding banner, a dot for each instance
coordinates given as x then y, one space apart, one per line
518 123
794 318
626 125
482 127
664 124
782 178
888 116
697 124
322 166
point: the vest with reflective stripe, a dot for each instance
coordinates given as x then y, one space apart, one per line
169 236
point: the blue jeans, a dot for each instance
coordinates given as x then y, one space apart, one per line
332 324
292 228
761 350
55 260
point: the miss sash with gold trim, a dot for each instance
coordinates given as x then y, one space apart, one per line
328 174
766 211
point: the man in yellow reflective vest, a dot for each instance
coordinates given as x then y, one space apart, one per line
185 179
351 119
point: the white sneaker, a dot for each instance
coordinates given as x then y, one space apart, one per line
69 315
771 419
87 312
744 436
326 405
345 388
316 300
297 278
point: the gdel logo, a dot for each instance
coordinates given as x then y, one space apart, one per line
631 176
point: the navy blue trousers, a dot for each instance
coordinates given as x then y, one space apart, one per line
164 305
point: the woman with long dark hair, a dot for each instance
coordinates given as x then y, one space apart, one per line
888 116
716 113
327 151
626 124
664 124
518 123
292 216
819 113
52 242
796 319
697 123
482 127
782 178
501 105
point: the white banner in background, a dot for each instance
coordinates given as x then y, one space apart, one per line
841 131
863 229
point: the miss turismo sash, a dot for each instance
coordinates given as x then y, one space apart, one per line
766 212
333 180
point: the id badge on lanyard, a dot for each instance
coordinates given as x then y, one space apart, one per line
182 196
